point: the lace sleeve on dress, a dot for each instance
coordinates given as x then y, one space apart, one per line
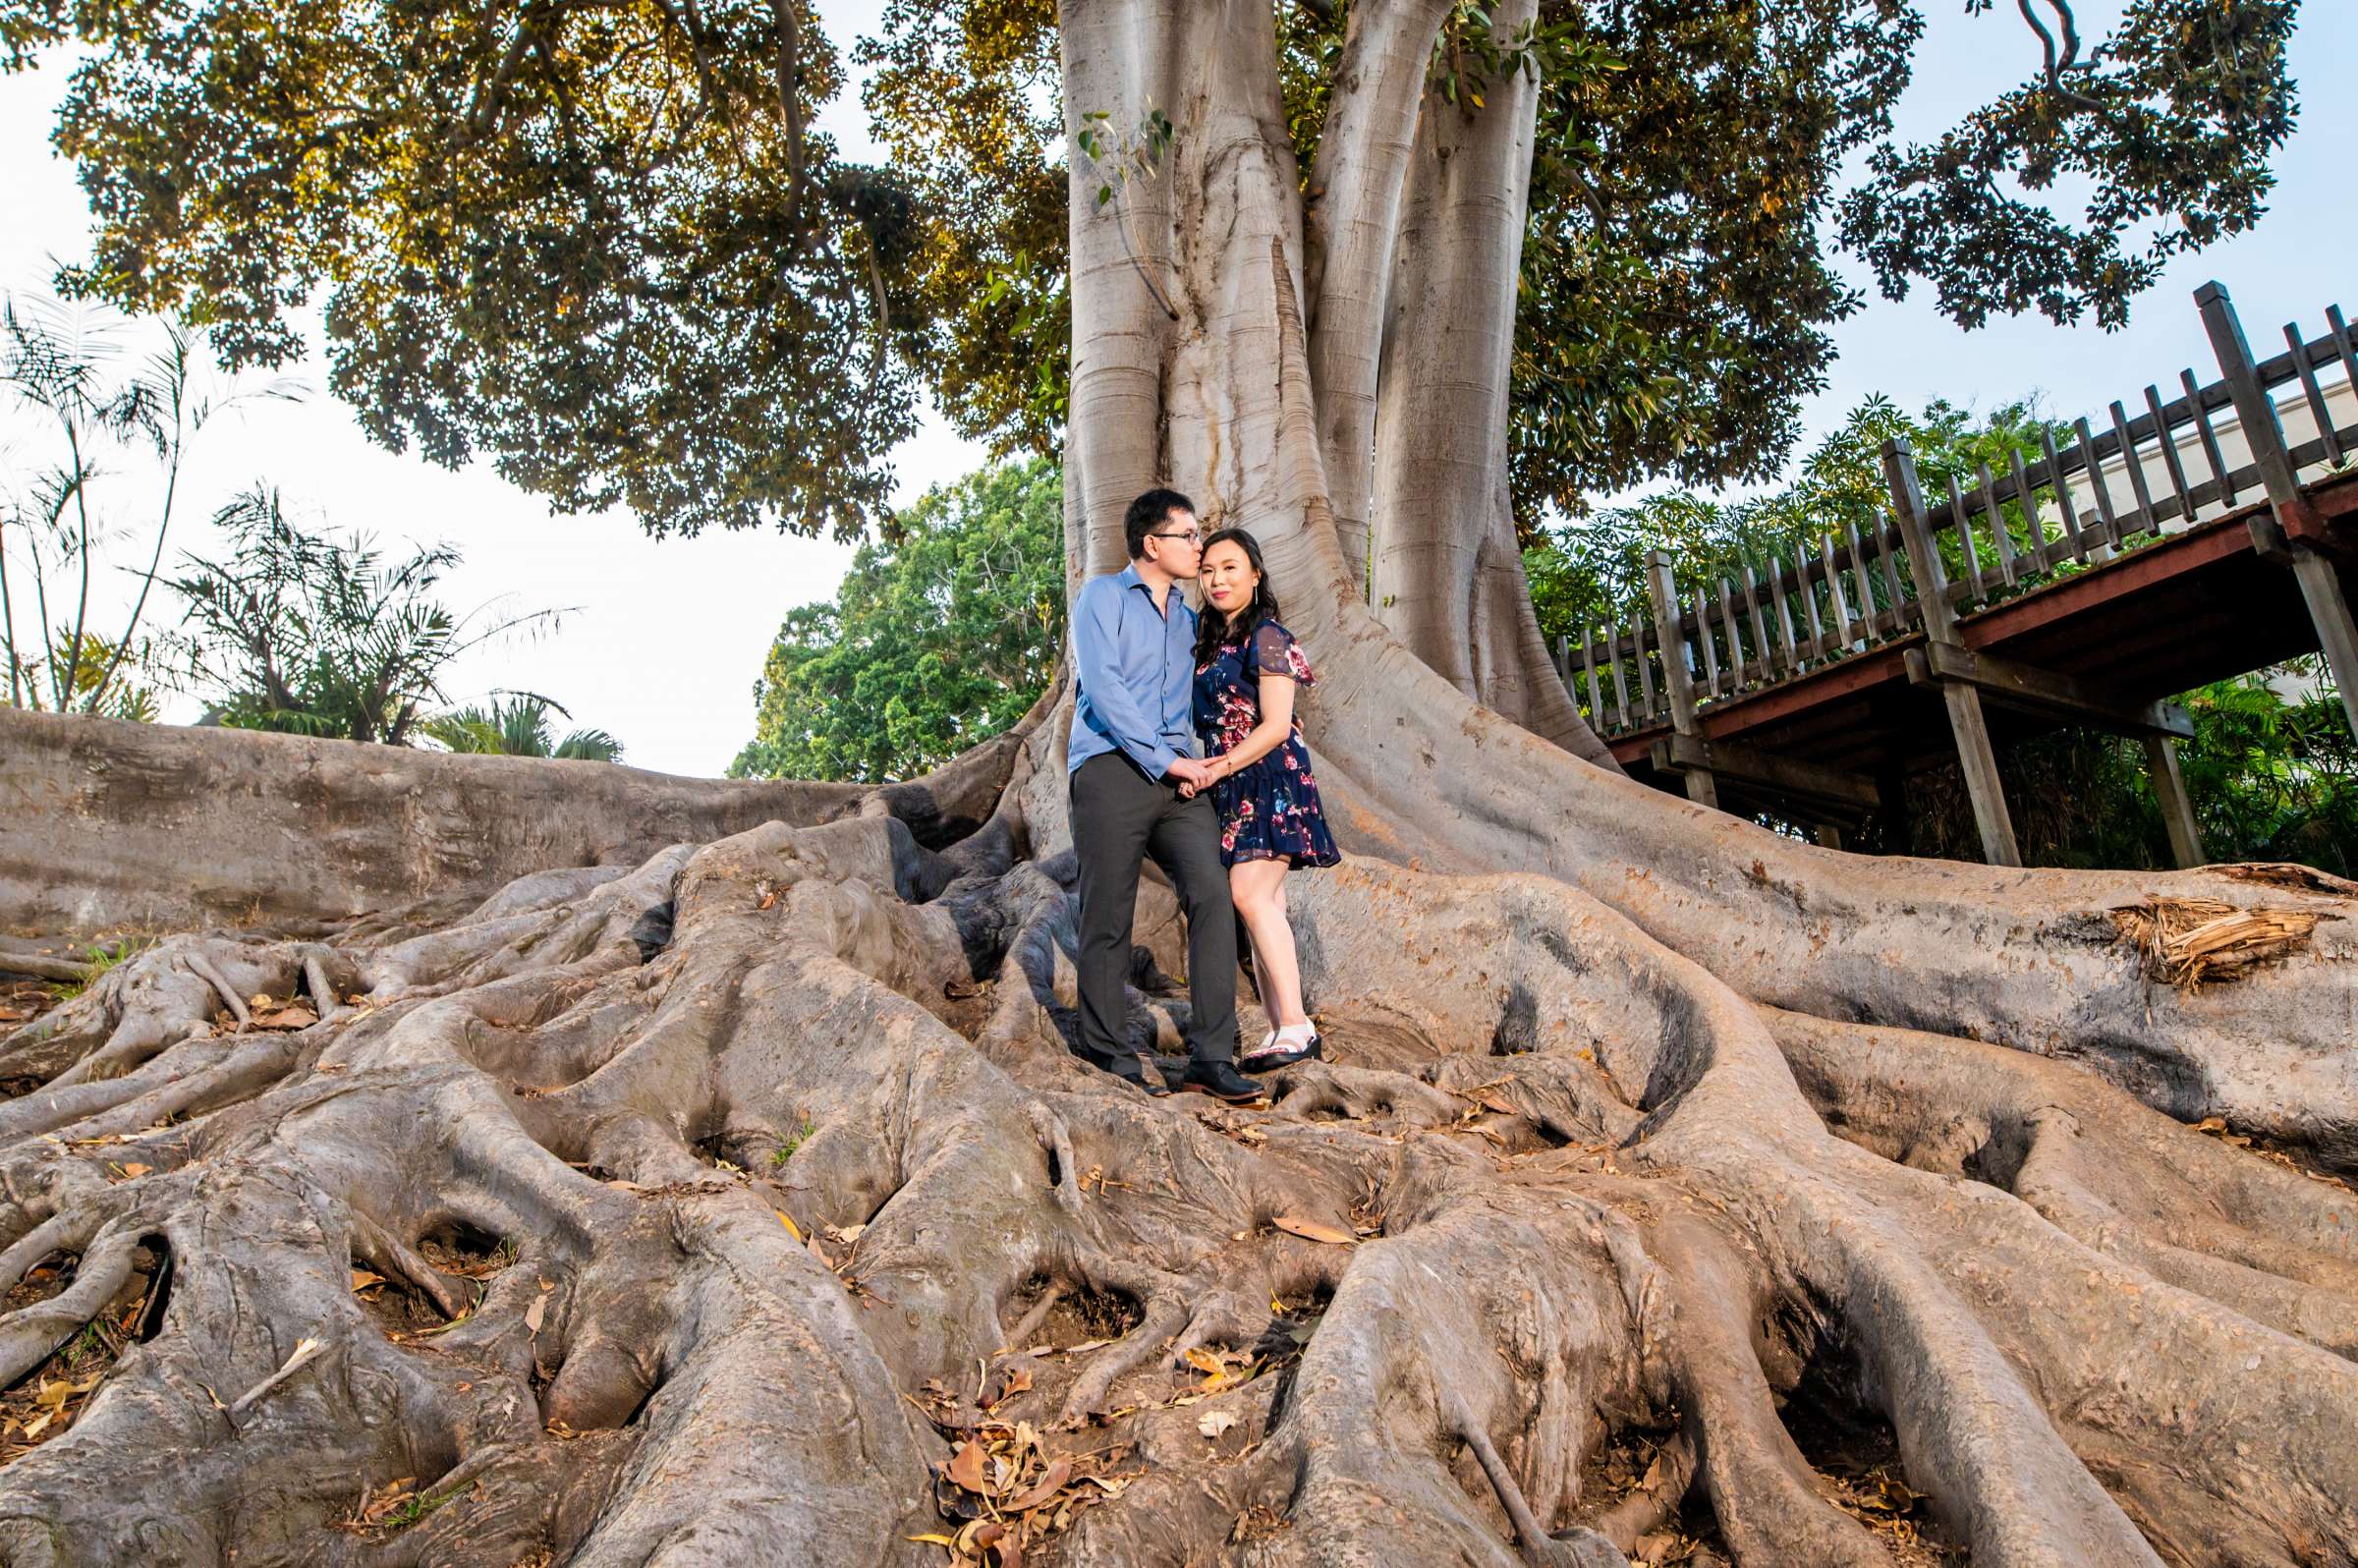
1275 651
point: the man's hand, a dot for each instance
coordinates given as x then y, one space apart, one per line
1190 773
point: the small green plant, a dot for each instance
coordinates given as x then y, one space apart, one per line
415 1508
785 1150
87 1344
100 958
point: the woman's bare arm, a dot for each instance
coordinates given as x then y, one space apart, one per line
1277 723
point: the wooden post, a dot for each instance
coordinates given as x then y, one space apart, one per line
1675 673
2169 456
2108 519
1996 516
2146 521
2065 503
2210 438
1612 657
1966 720
1967 550
1760 626
1808 602
2297 529
2313 393
2177 813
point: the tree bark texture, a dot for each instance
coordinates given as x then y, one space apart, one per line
738 1198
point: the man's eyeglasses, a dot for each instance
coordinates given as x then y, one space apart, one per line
1191 535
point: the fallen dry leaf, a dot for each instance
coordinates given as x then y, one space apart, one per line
965 1466
363 1279
387 1498
1213 1422
1312 1230
535 1314
1044 1489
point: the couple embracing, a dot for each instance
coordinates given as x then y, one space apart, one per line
1153 676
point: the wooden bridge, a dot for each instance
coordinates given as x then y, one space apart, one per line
2210 535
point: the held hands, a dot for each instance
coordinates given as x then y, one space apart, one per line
1192 774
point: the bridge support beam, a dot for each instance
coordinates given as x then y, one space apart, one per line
2295 534
1966 721
1677 676
2177 811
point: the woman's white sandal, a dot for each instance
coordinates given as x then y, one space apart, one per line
1276 1052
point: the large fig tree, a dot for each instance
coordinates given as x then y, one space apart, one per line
740 1202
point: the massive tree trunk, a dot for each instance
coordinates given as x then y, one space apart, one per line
1669 1180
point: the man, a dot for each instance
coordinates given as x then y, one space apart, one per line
1132 747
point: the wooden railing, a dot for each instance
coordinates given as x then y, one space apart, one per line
2066 507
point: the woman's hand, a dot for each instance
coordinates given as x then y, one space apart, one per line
1220 767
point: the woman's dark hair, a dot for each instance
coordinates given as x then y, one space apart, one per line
1214 627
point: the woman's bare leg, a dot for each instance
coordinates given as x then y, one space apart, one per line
1258 888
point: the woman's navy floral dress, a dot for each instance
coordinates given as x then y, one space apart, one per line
1269 809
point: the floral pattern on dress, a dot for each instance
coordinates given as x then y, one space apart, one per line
1268 809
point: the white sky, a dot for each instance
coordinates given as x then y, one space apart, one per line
669 636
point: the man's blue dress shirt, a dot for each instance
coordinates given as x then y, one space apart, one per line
1136 673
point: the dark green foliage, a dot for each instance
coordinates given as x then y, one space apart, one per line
2270 779
1676 284
1675 290
519 728
312 636
593 242
2171 120
963 95
1592 573
941 637
596 243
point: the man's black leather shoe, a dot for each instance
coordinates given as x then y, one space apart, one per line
1221 1080
1125 1068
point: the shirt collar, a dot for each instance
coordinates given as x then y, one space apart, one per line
1129 578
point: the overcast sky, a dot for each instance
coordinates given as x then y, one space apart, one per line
668 638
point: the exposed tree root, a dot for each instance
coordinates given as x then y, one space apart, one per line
713 1234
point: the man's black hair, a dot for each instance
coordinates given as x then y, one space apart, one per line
1147 514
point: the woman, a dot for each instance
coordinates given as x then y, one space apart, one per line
1248 667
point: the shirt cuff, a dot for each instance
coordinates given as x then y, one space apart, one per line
1156 759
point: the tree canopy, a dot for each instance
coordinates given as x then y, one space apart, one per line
599 244
942 635
602 245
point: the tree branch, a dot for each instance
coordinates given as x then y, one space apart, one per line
2055 67
786 26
